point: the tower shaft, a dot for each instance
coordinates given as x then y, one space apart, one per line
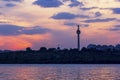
78 42
78 37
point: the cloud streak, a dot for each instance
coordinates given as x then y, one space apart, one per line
87 9
74 24
14 0
115 28
10 5
99 20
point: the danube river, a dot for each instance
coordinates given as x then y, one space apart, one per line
59 72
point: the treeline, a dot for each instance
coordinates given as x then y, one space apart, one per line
91 54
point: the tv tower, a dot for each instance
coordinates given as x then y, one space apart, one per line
78 37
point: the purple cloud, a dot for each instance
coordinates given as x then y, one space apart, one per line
116 10
75 3
98 14
10 5
83 16
66 15
48 3
8 30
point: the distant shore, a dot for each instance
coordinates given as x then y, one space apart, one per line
57 56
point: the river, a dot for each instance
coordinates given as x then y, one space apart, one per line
59 72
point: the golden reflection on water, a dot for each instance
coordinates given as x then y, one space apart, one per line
61 72
24 73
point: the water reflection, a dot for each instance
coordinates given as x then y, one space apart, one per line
59 72
101 73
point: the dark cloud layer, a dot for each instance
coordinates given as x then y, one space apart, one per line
48 3
99 20
8 30
75 3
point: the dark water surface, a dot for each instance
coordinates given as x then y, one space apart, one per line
59 72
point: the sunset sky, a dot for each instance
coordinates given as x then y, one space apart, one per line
37 23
